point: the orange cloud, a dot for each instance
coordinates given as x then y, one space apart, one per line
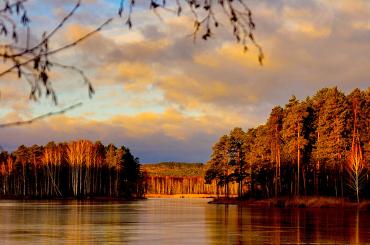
135 75
234 53
299 20
362 25
309 29
76 31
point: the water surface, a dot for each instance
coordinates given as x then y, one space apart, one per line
176 221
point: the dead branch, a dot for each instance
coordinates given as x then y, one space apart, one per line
49 114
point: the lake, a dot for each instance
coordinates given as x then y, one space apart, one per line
176 221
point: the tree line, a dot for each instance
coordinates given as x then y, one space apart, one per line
171 178
77 169
316 146
172 185
174 169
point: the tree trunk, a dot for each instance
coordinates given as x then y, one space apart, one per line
298 160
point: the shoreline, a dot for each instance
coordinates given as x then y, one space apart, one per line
181 196
97 198
295 202
281 202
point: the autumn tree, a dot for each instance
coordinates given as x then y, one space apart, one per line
262 164
274 125
76 157
6 171
236 154
98 168
21 162
293 126
111 163
52 159
359 103
359 107
75 169
329 149
35 154
356 167
218 166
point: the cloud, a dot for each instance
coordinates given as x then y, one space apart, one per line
134 75
362 25
166 136
310 30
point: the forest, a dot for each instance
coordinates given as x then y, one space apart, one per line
174 178
174 169
318 146
77 169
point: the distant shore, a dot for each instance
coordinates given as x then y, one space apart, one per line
296 202
180 196
97 198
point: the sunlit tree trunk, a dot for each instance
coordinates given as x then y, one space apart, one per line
317 170
298 159
356 167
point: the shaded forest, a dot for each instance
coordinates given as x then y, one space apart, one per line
174 169
170 185
171 178
316 146
77 169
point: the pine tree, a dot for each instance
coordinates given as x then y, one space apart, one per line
22 159
274 125
218 166
237 156
35 154
293 134
250 158
263 163
331 113
129 173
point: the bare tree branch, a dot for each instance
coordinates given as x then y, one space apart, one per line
57 50
206 15
34 63
19 123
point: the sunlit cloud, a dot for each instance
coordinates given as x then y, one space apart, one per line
165 131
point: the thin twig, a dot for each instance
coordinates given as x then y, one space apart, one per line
49 114
58 49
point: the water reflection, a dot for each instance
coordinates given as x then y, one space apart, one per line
176 221
245 225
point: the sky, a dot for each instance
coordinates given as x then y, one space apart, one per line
168 98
